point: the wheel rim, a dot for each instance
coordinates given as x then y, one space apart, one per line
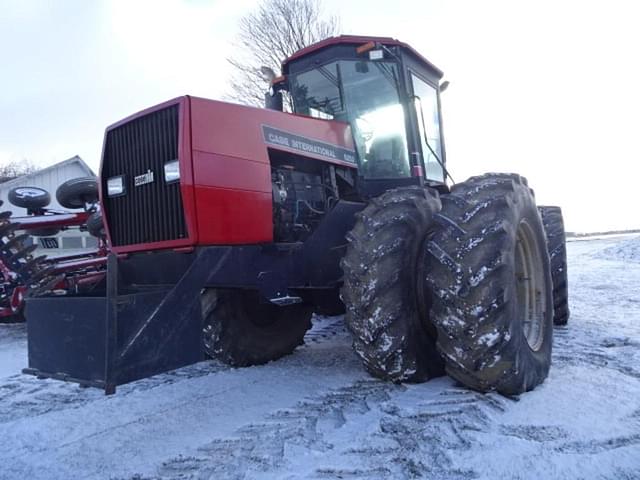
530 286
30 192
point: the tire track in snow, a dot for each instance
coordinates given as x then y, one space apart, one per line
535 433
617 353
590 447
409 442
424 439
261 447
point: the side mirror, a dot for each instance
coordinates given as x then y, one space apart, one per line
273 100
267 73
444 85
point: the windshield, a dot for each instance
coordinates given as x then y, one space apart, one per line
365 94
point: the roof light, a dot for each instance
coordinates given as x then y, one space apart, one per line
365 48
376 55
277 80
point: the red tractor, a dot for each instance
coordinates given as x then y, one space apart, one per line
234 224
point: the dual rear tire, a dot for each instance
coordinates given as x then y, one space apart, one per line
463 281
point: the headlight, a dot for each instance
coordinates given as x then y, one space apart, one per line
171 171
115 186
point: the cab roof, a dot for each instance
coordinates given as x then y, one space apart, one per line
357 40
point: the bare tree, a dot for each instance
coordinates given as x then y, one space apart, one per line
14 169
274 31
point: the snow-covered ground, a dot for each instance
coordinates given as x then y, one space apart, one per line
316 414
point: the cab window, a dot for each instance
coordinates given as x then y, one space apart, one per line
426 104
365 94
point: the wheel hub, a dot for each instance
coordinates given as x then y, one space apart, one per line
530 286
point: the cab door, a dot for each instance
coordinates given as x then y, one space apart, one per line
427 114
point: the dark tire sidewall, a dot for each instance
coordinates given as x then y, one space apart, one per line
73 193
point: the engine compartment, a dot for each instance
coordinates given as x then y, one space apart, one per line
303 192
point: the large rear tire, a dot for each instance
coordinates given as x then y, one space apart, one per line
385 310
556 245
241 331
488 273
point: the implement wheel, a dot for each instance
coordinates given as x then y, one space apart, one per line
78 192
241 331
382 292
490 281
95 225
32 198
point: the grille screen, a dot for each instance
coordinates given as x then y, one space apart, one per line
151 211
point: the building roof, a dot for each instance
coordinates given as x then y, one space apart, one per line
22 179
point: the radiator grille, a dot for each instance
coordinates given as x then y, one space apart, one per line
151 212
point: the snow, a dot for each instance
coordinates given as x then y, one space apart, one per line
317 414
626 250
489 339
13 349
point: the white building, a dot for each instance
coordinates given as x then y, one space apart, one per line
50 178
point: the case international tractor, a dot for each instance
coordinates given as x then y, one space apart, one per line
229 226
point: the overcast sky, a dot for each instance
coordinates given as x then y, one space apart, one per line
548 89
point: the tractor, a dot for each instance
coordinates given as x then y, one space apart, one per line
229 226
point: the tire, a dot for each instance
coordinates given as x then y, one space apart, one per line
385 309
95 227
240 331
557 248
491 230
44 232
77 192
31 198
327 303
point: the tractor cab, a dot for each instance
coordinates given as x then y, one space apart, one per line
387 92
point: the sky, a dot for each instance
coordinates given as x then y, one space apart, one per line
548 88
